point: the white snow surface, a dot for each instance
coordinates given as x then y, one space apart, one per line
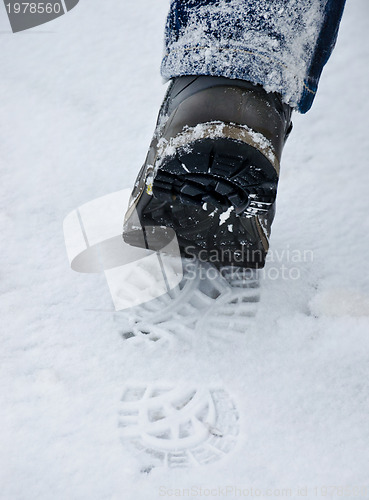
79 103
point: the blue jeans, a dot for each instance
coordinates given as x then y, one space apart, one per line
280 44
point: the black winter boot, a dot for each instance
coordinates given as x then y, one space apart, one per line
211 172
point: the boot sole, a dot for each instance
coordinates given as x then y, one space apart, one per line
212 193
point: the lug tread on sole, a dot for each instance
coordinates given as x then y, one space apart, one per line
193 189
225 174
209 194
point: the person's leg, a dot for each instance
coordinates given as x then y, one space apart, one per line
280 44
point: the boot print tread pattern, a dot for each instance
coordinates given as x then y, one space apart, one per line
180 426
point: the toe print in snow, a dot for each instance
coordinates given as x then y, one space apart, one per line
178 426
206 300
233 310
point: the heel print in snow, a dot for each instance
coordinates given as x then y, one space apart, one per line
206 299
178 426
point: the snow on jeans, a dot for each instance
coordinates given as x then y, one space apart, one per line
280 44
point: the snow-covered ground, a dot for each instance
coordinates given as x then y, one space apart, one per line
79 98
